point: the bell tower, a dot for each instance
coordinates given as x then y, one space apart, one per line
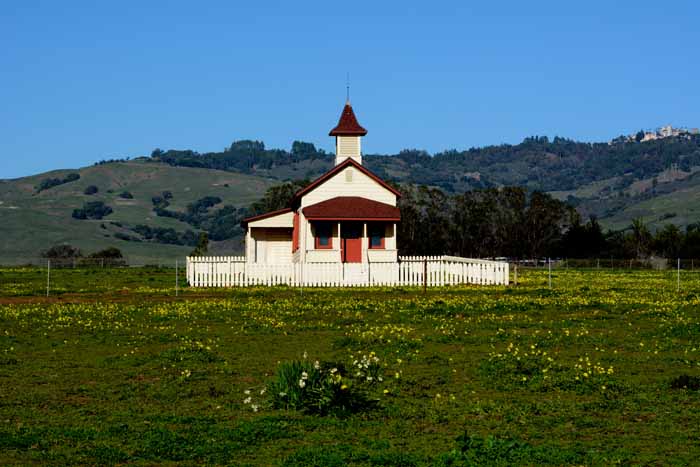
348 135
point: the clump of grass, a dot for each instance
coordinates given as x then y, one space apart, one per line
474 450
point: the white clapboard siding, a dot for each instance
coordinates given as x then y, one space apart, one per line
432 271
357 184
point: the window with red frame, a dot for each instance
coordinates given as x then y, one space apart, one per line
376 236
324 236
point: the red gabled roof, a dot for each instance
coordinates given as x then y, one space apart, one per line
352 207
328 175
348 125
245 221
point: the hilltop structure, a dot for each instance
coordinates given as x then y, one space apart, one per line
667 131
347 215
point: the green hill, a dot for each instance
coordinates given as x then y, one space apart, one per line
34 221
658 181
614 181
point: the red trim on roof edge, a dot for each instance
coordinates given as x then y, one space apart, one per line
245 221
325 177
372 219
351 208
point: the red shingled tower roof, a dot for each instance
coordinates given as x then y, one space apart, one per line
348 125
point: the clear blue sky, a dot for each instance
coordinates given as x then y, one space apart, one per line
84 81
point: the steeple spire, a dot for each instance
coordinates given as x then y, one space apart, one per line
347 89
348 134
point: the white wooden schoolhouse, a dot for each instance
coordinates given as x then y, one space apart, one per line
348 215
339 230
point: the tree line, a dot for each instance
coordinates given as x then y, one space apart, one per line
512 222
538 162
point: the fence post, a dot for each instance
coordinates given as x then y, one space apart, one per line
177 292
679 275
516 274
425 274
549 264
48 276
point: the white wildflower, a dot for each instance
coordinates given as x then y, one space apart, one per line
246 392
247 400
302 383
254 407
262 391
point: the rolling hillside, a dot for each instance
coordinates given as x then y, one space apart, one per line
32 222
658 181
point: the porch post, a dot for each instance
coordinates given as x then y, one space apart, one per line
248 243
340 239
365 243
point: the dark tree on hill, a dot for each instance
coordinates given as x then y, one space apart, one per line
481 223
583 240
92 210
641 238
202 245
277 197
63 251
111 253
52 182
668 242
546 220
91 190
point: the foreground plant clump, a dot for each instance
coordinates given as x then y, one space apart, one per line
326 388
276 376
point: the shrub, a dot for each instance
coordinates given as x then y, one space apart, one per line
110 252
64 251
326 388
91 190
126 195
92 210
47 183
202 245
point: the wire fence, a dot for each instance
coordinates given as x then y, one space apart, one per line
689 264
98 277
86 262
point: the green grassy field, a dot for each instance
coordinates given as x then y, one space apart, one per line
113 368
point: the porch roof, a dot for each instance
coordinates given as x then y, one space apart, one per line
267 215
352 208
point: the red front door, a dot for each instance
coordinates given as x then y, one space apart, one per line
351 242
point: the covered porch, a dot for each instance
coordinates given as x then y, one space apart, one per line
351 230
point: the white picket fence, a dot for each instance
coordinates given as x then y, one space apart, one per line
234 271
